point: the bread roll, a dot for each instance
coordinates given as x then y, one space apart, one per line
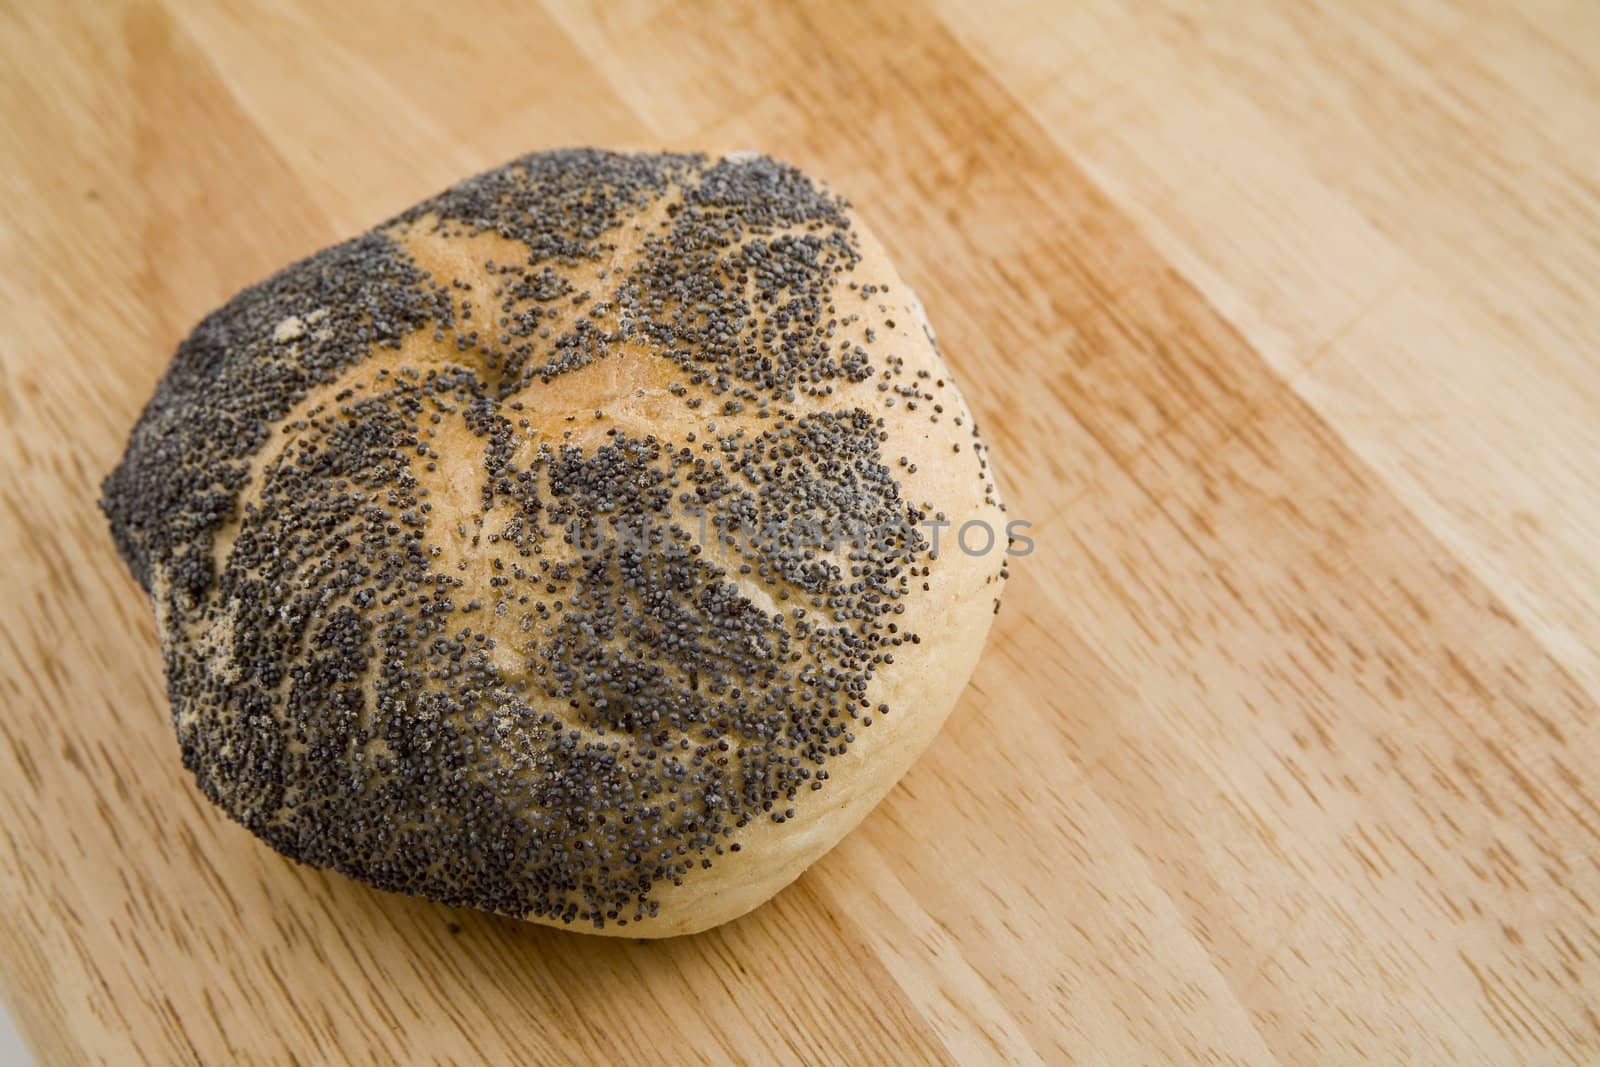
564 548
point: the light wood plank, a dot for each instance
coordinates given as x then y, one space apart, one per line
1277 320
1396 206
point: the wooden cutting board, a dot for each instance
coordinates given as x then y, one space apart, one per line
1283 325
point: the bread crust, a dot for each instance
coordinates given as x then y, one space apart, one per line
564 547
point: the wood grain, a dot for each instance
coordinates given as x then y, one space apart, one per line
1281 322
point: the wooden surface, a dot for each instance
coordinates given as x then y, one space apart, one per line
1283 324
